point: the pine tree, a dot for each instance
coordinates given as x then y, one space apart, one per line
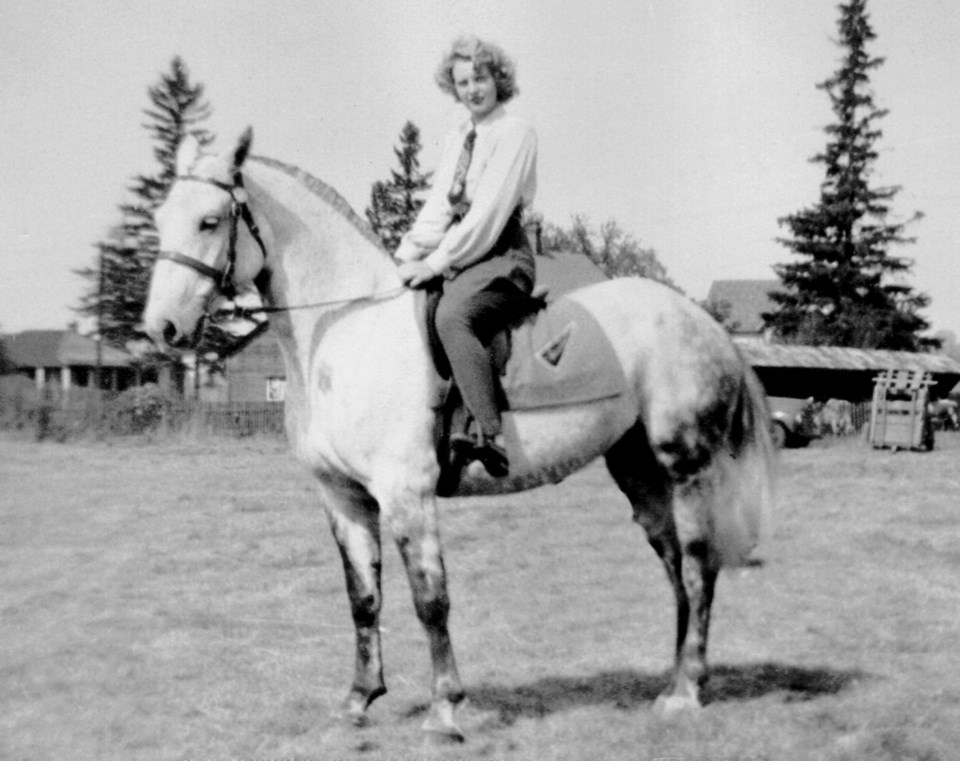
848 290
394 204
120 277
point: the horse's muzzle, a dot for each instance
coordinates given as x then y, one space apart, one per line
166 334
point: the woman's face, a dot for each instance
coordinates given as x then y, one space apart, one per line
475 88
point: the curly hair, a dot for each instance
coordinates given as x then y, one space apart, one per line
481 53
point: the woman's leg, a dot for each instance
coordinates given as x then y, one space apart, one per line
467 321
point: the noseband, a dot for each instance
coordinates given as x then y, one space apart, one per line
239 209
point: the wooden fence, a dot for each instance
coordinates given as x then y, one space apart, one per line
62 419
228 418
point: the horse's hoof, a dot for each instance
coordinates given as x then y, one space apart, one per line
673 706
358 721
444 735
353 712
440 726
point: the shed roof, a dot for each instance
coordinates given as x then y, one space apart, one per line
841 358
845 373
59 348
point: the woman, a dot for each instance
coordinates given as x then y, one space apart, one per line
470 233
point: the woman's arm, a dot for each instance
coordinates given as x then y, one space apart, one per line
435 215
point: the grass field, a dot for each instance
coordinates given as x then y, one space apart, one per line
186 601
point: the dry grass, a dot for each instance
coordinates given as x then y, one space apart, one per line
186 601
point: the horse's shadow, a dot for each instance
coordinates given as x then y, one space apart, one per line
628 689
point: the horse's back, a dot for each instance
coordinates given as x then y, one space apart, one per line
665 342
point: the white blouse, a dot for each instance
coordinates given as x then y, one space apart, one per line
502 176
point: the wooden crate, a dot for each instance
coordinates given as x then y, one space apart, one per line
899 417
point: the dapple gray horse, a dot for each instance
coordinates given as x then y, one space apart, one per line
687 441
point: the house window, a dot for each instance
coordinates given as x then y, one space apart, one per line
276 388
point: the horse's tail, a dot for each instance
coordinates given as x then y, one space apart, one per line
743 476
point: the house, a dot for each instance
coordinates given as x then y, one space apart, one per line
256 374
62 360
742 302
561 272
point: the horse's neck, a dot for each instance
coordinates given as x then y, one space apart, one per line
317 253
326 273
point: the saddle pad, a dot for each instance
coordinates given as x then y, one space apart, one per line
559 356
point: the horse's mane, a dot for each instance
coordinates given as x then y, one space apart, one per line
326 193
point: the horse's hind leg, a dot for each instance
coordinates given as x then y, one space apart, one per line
692 569
657 504
354 519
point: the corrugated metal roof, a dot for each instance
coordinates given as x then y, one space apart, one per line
760 354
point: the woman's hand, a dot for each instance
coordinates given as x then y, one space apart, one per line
415 274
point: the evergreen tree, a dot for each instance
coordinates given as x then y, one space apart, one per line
848 290
394 204
616 253
120 277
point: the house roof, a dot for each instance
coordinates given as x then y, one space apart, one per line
562 272
747 300
59 348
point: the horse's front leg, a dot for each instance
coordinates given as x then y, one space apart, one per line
414 524
355 522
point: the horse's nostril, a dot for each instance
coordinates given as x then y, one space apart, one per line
170 333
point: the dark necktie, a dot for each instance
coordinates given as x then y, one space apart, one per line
458 187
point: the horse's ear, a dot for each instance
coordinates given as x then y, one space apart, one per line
243 148
187 154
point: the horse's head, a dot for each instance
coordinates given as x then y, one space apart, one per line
199 228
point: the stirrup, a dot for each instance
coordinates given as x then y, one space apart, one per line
491 455
494 458
463 446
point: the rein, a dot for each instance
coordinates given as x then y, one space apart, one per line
247 312
250 313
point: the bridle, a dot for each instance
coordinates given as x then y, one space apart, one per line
223 278
239 210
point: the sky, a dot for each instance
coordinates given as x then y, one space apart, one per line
690 124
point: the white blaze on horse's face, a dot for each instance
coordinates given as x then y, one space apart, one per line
197 227
193 222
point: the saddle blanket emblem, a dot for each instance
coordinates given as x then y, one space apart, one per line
561 356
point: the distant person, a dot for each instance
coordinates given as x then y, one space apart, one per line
470 233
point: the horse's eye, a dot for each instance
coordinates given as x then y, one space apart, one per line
209 224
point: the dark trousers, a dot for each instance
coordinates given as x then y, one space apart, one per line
478 303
